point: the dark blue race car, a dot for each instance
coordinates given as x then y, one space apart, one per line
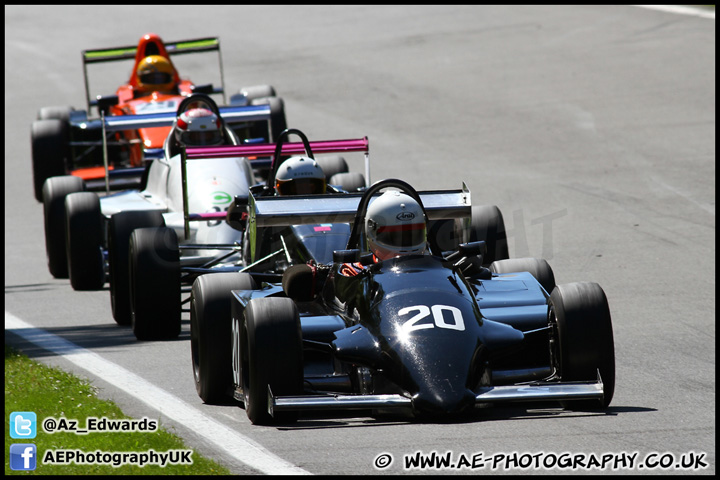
432 334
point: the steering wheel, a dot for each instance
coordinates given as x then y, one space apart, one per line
359 222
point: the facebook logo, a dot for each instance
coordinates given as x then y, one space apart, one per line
23 456
23 425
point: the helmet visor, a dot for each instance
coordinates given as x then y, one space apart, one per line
211 137
301 186
406 235
155 78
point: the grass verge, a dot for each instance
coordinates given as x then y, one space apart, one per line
48 392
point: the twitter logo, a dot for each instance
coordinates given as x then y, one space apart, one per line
23 425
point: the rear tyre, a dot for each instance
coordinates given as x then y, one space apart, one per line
120 227
332 165
86 263
488 225
349 181
154 283
211 332
583 341
49 143
277 123
54 192
55 112
538 267
271 356
446 234
258 91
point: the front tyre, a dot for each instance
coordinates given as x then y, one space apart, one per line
210 331
120 227
86 263
271 356
155 283
583 343
538 267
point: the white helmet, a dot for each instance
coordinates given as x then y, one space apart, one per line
198 127
395 225
300 176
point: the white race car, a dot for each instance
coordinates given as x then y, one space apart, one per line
89 234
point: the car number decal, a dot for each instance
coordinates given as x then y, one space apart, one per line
157 107
215 209
453 321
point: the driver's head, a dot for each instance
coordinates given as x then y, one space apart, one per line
300 176
395 225
198 127
155 74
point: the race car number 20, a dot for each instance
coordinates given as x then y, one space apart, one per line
443 316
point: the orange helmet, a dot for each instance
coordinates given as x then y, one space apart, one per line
155 73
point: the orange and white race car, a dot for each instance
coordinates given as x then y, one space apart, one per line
111 150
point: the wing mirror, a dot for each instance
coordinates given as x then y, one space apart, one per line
472 248
237 213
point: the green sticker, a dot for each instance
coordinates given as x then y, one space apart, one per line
197 43
221 198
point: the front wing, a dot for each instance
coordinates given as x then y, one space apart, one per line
530 393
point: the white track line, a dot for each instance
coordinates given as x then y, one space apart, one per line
682 10
226 439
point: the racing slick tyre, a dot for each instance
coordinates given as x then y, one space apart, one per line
444 233
538 267
348 181
54 192
487 224
55 112
86 263
120 227
579 316
257 91
49 143
271 356
332 165
278 122
211 332
154 275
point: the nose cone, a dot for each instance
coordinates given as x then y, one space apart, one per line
438 376
443 401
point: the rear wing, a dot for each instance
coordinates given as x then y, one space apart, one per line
114 54
341 208
268 149
197 45
114 123
165 119
292 148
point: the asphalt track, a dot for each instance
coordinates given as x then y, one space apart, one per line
591 127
